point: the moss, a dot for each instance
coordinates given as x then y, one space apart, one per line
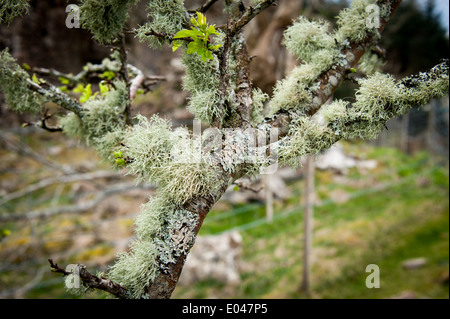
13 83
10 9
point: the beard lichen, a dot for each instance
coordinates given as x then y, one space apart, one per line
13 82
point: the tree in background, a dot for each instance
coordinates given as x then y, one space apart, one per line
249 133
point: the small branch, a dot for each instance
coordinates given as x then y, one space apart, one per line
208 4
57 269
91 281
249 14
246 186
71 209
56 96
43 124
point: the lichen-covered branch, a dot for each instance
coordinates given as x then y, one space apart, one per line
90 281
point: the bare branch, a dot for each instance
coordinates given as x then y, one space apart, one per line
71 209
249 14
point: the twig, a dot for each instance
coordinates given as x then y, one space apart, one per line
58 180
208 4
91 281
23 149
249 14
71 209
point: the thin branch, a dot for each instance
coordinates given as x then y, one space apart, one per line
208 4
77 208
91 281
55 95
43 183
249 14
23 149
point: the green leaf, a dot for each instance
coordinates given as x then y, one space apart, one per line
175 45
34 78
120 161
64 89
201 19
208 55
193 47
107 75
214 47
87 93
64 80
118 154
26 66
194 22
104 88
78 89
184 34
236 188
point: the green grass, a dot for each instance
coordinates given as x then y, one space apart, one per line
408 219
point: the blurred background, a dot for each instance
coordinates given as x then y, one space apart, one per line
382 202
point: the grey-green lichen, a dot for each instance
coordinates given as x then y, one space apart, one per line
105 19
167 17
170 160
258 99
353 21
10 9
379 98
164 232
13 83
202 81
101 124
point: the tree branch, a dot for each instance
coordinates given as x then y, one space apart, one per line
91 281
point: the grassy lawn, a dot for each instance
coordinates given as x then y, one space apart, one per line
406 220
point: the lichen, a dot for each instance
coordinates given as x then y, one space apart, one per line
13 83
257 113
102 123
105 19
10 9
167 17
353 24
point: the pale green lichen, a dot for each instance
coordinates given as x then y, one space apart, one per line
102 124
167 17
305 137
353 22
10 9
105 19
370 63
136 269
304 38
293 92
13 83
257 113
161 156
202 81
